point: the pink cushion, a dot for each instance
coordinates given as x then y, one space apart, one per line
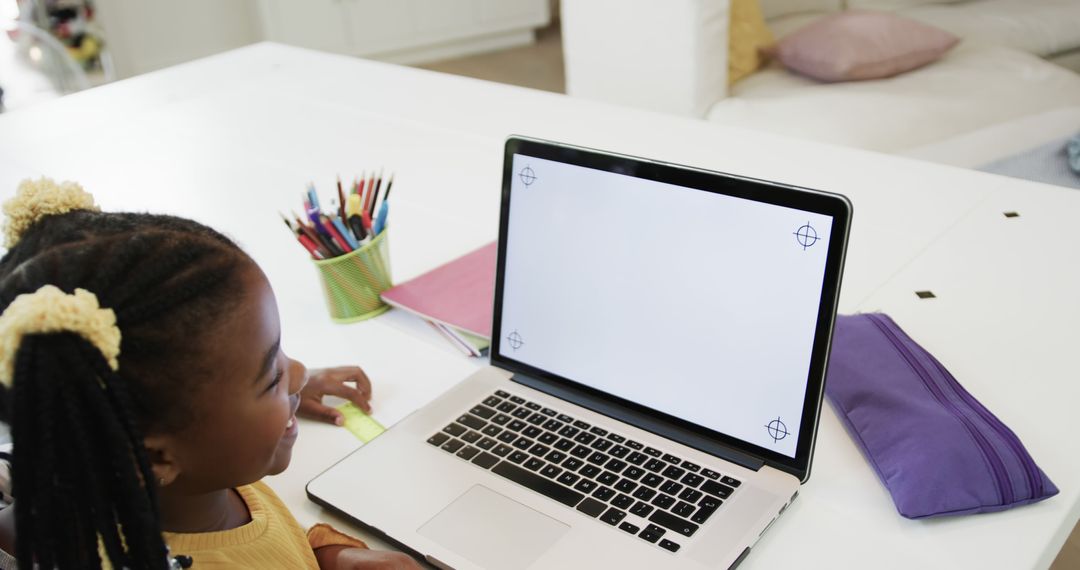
858 44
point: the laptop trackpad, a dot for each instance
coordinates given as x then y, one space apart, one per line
493 531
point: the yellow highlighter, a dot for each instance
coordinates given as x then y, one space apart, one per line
352 205
363 426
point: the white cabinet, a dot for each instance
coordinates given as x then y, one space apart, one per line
318 25
403 31
144 35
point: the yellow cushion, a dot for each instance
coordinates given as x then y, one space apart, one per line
747 35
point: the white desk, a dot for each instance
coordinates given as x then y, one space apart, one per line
232 139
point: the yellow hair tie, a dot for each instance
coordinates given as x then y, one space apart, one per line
36 199
50 310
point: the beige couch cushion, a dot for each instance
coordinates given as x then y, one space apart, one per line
971 87
892 4
1042 27
985 145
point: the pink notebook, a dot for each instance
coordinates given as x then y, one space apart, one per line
459 293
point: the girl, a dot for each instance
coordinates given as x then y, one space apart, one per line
142 375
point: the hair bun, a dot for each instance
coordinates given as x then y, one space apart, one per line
50 310
36 199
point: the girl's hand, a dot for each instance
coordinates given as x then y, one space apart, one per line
349 558
334 382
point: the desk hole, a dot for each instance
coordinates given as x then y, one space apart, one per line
1012 214
925 294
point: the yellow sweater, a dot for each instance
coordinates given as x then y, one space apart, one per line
273 538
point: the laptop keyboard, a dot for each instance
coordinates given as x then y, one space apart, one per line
641 490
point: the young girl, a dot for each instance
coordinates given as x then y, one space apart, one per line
142 375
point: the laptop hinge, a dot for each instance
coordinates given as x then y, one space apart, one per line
641 420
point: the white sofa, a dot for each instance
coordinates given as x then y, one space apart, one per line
671 56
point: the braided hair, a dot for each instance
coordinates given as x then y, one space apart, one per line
81 476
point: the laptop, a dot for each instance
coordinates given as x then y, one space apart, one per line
660 342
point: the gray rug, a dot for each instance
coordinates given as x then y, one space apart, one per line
1048 163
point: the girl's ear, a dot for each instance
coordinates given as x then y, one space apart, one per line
163 460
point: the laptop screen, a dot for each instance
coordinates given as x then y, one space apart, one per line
696 304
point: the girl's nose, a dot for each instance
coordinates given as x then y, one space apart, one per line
298 376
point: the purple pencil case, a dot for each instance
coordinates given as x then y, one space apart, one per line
935 447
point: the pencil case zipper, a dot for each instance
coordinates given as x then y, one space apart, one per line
1031 471
997 465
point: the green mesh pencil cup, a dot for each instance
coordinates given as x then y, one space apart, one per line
353 282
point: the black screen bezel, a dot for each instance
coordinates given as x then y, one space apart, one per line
833 205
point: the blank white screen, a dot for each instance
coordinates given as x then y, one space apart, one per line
696 304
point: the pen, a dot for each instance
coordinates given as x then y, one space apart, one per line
375 198
356 224
389 183
380 221
313 216
315 238
367 198
341 199
338 239
359 214
352 211
363 198
328 237
288 224
298 232
340 227
352 207
310 246
366 219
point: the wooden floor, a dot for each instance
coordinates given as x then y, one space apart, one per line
1069 558
540 66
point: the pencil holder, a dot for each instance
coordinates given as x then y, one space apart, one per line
353 282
